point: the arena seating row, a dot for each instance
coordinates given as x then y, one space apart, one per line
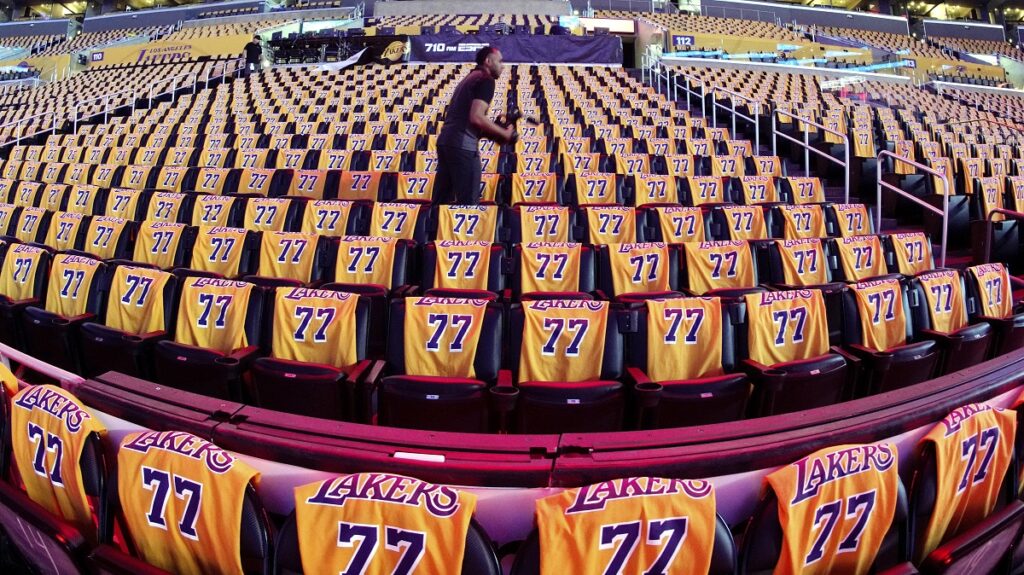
87 40
122 517
36 43
709 24
975 46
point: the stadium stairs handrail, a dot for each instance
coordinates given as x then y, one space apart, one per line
808 148
944 212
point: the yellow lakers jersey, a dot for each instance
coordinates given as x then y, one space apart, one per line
544 224
727 166
327 218
680 166
680 224
786 326
835 507
639 267
123 203
157 243
563 340
212 314
164 207
611 224
913 252
716 265
70 280
441 336
211 180
415 186
64 229
256 181
973 451
800 222
49 430
758 189
706 190
803 262
251 158
534 188
882 321
549 267
852 219
462 265
768 166
394 220
684 338
289 255
993 283
806 190
1017 186
365 260
655 189
359 185
595 188
335 160
266 214
136 301
212 211
861 257
467 223
379 523
29 223
945 300
631 525
18 273
315 326
991 196
182 499
218 250
745 222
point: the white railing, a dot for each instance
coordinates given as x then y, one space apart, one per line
107 108
25 120
808 148
944 212
9 354
175 85
755 118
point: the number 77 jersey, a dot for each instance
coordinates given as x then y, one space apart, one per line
381 524
631 525
973 448
182 500
835 508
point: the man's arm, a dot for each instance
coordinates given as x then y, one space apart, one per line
487 127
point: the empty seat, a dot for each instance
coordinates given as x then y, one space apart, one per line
860 496
466 269
185 505
988 286
911 253
666 525
878 328
682 362
162 244
963 474
318 349
544 270
860 258
634 271
567 358
443 354
24 277
216 336
292 258
468 223
72 298
377 534
541 224
224 252
941 314
140 310
723 269
784 346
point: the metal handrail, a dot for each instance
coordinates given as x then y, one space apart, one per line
9 354
20 121
193 75
105 98
845 162
944 212
1012 214
733 96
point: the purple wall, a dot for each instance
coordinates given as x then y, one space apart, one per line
34 27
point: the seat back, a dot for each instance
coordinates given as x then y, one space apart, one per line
370 261
637 268
717 265
141 300
479 556
165 480
528 224
24 274
858 258
876 314
163 244
764 536
220 315
300 324
799 263
45 544
463 265
538 266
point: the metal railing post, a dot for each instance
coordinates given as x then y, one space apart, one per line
944 212
732 100
807 151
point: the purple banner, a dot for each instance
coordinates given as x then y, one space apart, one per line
518 48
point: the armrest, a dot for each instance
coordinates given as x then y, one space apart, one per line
147 337
373 374
601 295
939 336
243 353
864 351
637 376
81 318
754 367
849 357
356 372
505 378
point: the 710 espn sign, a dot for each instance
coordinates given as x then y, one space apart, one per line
443 47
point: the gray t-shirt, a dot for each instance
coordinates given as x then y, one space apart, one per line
456 132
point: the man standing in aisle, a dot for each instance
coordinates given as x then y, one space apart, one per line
253 55
465 122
